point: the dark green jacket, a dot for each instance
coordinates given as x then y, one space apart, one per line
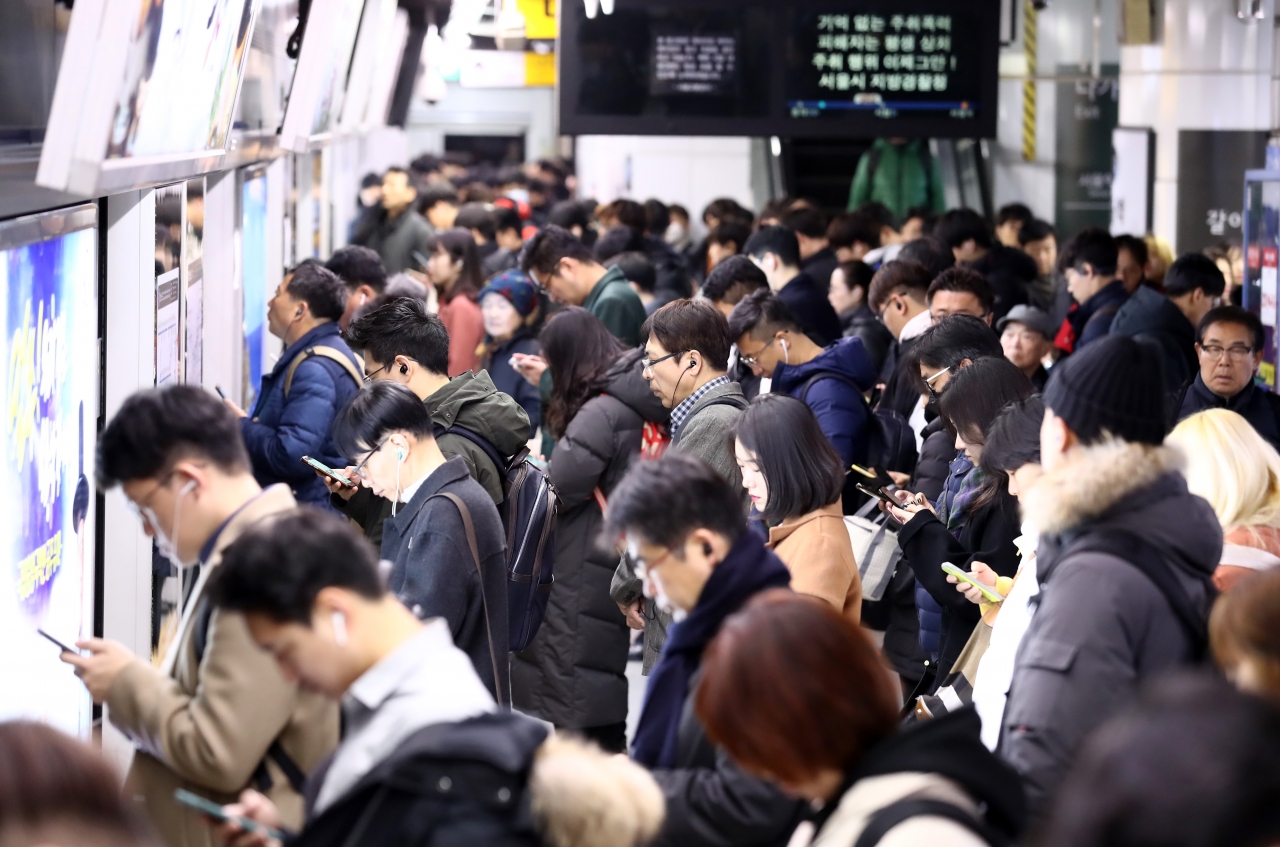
617 306
900 179
398 239
469 401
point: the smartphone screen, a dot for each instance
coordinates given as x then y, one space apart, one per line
213 810
879 495
326 470
988 591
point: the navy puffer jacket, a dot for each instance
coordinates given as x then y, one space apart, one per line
843 415
281 430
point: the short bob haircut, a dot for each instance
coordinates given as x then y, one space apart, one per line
803 471
663 500
279 566
377 410
976 394
460 246
682 326
1013 439
1231 466
1243 627
790 687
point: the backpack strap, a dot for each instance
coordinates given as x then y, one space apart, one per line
821 375
884 820
477 439
1141 555
356 374
470 530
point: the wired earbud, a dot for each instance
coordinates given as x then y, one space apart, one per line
340 629
400 455
191 483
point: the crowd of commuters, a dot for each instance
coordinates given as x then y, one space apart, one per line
923 529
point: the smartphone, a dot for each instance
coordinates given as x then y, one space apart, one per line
881 478
881 494
988 592
213 810
66 649
327 471
221 393
420 259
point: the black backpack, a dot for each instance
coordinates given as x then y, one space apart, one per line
891 445
528 511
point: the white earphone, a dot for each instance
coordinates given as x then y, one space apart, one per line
340 629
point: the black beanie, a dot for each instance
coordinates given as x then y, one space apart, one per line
1114 385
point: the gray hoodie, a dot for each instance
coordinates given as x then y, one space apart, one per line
1102 627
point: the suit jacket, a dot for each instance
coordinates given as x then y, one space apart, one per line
207 725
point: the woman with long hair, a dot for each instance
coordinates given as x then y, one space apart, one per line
1238 472
454 268
983 519
574 672
794 478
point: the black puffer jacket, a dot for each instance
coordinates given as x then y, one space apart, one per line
574 672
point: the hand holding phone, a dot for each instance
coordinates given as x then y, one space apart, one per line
322 468
219 813
875 478
988 592
878 494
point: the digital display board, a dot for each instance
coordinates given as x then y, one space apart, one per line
49 276
810 68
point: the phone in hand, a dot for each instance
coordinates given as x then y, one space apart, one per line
877 478
213 810
221 393
327 471
879 494
988 592
65 648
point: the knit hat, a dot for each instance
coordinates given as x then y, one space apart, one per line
516 287
1115 384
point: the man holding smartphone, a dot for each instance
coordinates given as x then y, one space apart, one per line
217 716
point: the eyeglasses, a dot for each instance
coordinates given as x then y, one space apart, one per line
643 568
752 360
1214 352
368 378
647 363
928 383
381 444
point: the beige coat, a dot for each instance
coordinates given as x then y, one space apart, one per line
816 549
207 727
872 794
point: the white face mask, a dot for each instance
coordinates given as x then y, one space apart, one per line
168 546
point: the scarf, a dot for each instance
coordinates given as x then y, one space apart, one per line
748 569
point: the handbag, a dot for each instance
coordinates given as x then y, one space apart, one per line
875 549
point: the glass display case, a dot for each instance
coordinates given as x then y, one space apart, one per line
1262 255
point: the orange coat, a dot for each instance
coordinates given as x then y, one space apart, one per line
816 549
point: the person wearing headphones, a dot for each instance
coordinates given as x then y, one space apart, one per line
315 377
216 716
444 538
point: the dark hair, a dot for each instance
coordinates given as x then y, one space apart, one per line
402 327
320 288
928 218
656 217
663 500
949 342
1013 438
791 687
957 226
461 247
761 313
1136 246
857 274
685 325
1093 245
157 427
579 350
627 212
1191 763
1035 230
1014 212
729 232
930 252
55 789
801 468
543 252
1191 271
357 266
568 214
733 279
637 268
964 280
478 217
425 164
980 392
278 566
378 409
853 227
726 207
436 193
901 276
880 213
505 218
806 221
615 240
675 210
1233 315
774 209
777 240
